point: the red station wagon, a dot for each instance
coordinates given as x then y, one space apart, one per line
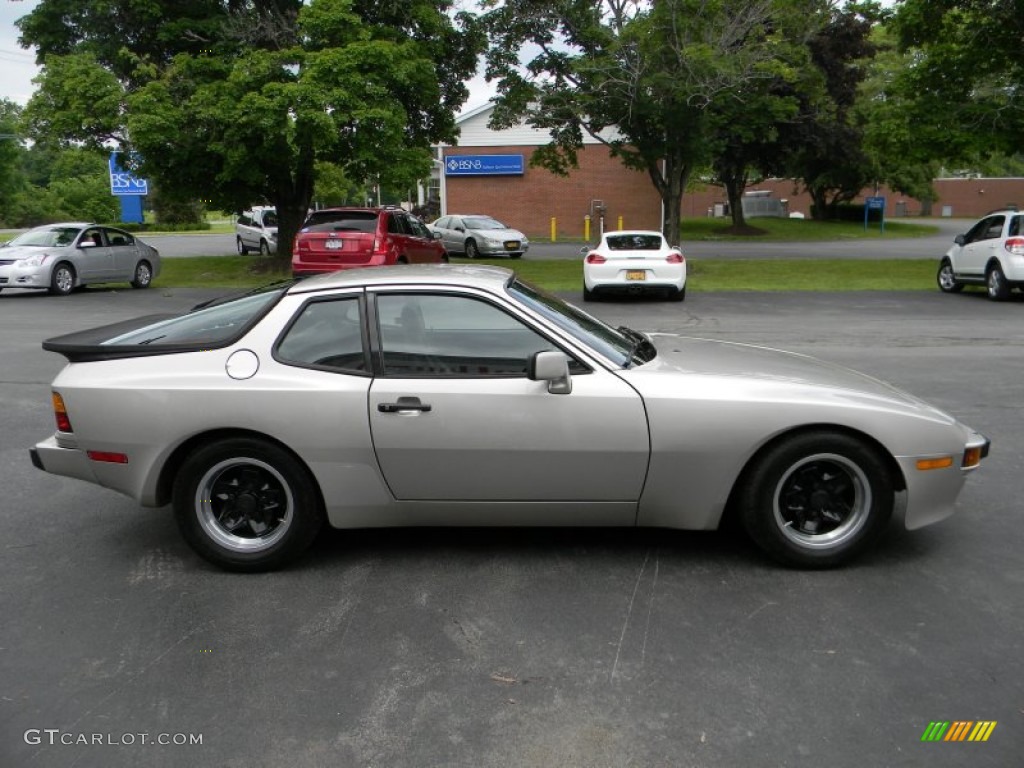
345 238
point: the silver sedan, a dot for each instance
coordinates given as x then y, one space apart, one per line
474 235
62 257
440 395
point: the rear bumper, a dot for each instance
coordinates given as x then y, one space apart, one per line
68 462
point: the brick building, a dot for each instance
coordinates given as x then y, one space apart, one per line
489 172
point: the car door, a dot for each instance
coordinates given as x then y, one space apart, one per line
454 240
123 254
92 258
422 243
981 243
454 417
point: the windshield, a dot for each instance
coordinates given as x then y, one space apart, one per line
48 237
483 222
213 326
622 348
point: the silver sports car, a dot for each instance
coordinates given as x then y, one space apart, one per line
440 395
62 257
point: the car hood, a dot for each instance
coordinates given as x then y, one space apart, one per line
18 252
500 234
724 359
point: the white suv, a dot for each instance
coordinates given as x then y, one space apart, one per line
256 230
990 254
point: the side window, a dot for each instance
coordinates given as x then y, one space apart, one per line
93 237
325 334
397 224
418 228
995 228
120 238
442 223
452 336
1015 226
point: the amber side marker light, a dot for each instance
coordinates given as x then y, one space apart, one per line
972 457
60 413
940 463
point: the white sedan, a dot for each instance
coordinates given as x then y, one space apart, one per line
634 262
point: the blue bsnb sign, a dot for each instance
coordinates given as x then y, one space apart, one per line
484 165
122 182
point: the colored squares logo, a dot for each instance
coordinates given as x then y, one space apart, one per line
958 730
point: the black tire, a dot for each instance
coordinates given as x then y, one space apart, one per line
242 249
472 251
995 283
816 500
946 278
674 295
588 295
264 248
143 275
445 259
62 279
515 255
246 505
401 260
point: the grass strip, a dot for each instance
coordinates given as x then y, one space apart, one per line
566 275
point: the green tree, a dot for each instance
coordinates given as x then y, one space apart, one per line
967 73
244 99
12 178
641 78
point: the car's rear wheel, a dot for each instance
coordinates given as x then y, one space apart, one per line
995 282
242 249
143 275
62 280
246 505
472 251
588 295
816 499
946 278
677 295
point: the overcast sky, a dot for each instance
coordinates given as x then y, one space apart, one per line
17 65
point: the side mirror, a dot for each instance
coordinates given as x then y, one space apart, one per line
87 244
584 250
960 240
437 235
552 367
460 229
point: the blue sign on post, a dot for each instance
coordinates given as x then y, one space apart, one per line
484 165
874 204
122 182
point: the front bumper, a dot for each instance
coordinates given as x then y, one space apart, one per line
932 494
17 275
500 249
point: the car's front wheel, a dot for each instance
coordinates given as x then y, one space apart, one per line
816 499
246 505
62 281
995 282
946 278
242 249
472 251
143 275
264 248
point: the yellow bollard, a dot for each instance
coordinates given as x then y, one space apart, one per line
554 229
586 228
620 223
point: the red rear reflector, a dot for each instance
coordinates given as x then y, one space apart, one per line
108 456
675 258
595 258
61 414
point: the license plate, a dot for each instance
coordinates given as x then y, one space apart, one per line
334 245
511 245
636 274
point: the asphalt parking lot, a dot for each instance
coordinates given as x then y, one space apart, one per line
484 648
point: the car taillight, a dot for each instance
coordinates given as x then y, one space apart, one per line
378 245
60 412
595 258
1015 245
675 258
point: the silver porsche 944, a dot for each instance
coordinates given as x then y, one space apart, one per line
440 395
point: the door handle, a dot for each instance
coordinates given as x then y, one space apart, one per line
404 405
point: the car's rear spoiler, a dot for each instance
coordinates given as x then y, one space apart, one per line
87 346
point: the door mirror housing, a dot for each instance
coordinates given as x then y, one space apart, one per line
960 240
552 367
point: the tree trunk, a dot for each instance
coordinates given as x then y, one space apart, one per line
735 184
670 184
293 197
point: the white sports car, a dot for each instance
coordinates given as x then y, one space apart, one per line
633 262
440 395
